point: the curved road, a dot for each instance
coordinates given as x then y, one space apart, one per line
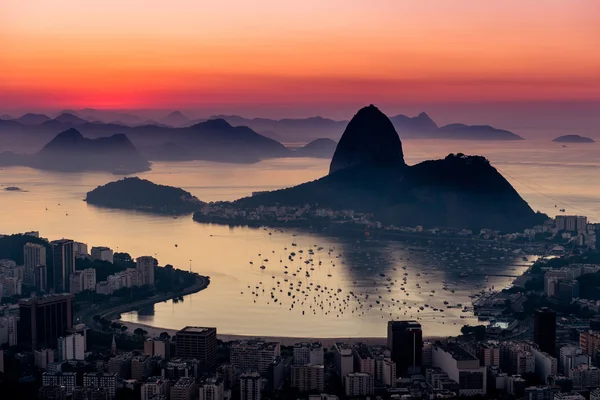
87 318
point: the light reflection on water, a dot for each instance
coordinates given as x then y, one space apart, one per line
545 174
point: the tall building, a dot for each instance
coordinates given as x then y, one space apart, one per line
155 386
544 329
80 249
44 319
343 360
308 378
359 384
405 339
43 357
71 347
104 380
89 279
102 253
63 264
66 379
589 342
145 267
462 367
193 342
250 386
34 256
76 282
363 359
184 389
308 353
211 389
253 355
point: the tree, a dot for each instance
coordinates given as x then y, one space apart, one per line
164 336
96 318
123 328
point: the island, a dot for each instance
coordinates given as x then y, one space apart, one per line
574 139
368 176
141 194
13 189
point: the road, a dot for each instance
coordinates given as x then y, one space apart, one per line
87 317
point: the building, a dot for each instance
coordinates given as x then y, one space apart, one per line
211 389
488 354
89 279
517 358
388 372
308 353
184 389
544 330
158 347
363 359
43 357
571 223
193 342
308 378
66 379
584 376
9 330
589 342
253 355
76 282
63 264
461 367
155 386
250 386
569 396
71 347
141 367
121 365
358 384
343 359
102 253
595 394
405 339
571 357
545 364
80 249
34 256
101 380
44 319
145 267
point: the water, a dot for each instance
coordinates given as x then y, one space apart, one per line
545 174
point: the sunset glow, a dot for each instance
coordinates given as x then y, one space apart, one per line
137 53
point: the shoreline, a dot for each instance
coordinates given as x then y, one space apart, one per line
114 313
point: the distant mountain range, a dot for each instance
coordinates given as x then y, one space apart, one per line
419 127
70 151
368 174
289 130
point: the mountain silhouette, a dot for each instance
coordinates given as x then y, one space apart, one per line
68 118
573 139
32 119
369 139
318 148
176 118
456 192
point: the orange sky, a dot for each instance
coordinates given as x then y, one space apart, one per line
186 54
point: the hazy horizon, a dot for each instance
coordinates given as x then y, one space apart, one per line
277 60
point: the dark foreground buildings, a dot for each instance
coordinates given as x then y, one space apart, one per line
544 329
405 340
194 342
44 319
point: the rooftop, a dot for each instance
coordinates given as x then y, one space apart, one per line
458 352
195 329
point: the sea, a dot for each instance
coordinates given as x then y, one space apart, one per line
331 286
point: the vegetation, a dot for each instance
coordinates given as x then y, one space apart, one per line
136 193
11 247
477 331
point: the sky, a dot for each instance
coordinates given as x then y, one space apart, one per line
266 57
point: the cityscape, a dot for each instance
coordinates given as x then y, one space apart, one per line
539 338
299 200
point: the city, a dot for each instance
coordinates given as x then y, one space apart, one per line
538 339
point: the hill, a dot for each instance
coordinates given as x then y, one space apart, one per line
141 194
573 139
318 148
70 151
459 191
